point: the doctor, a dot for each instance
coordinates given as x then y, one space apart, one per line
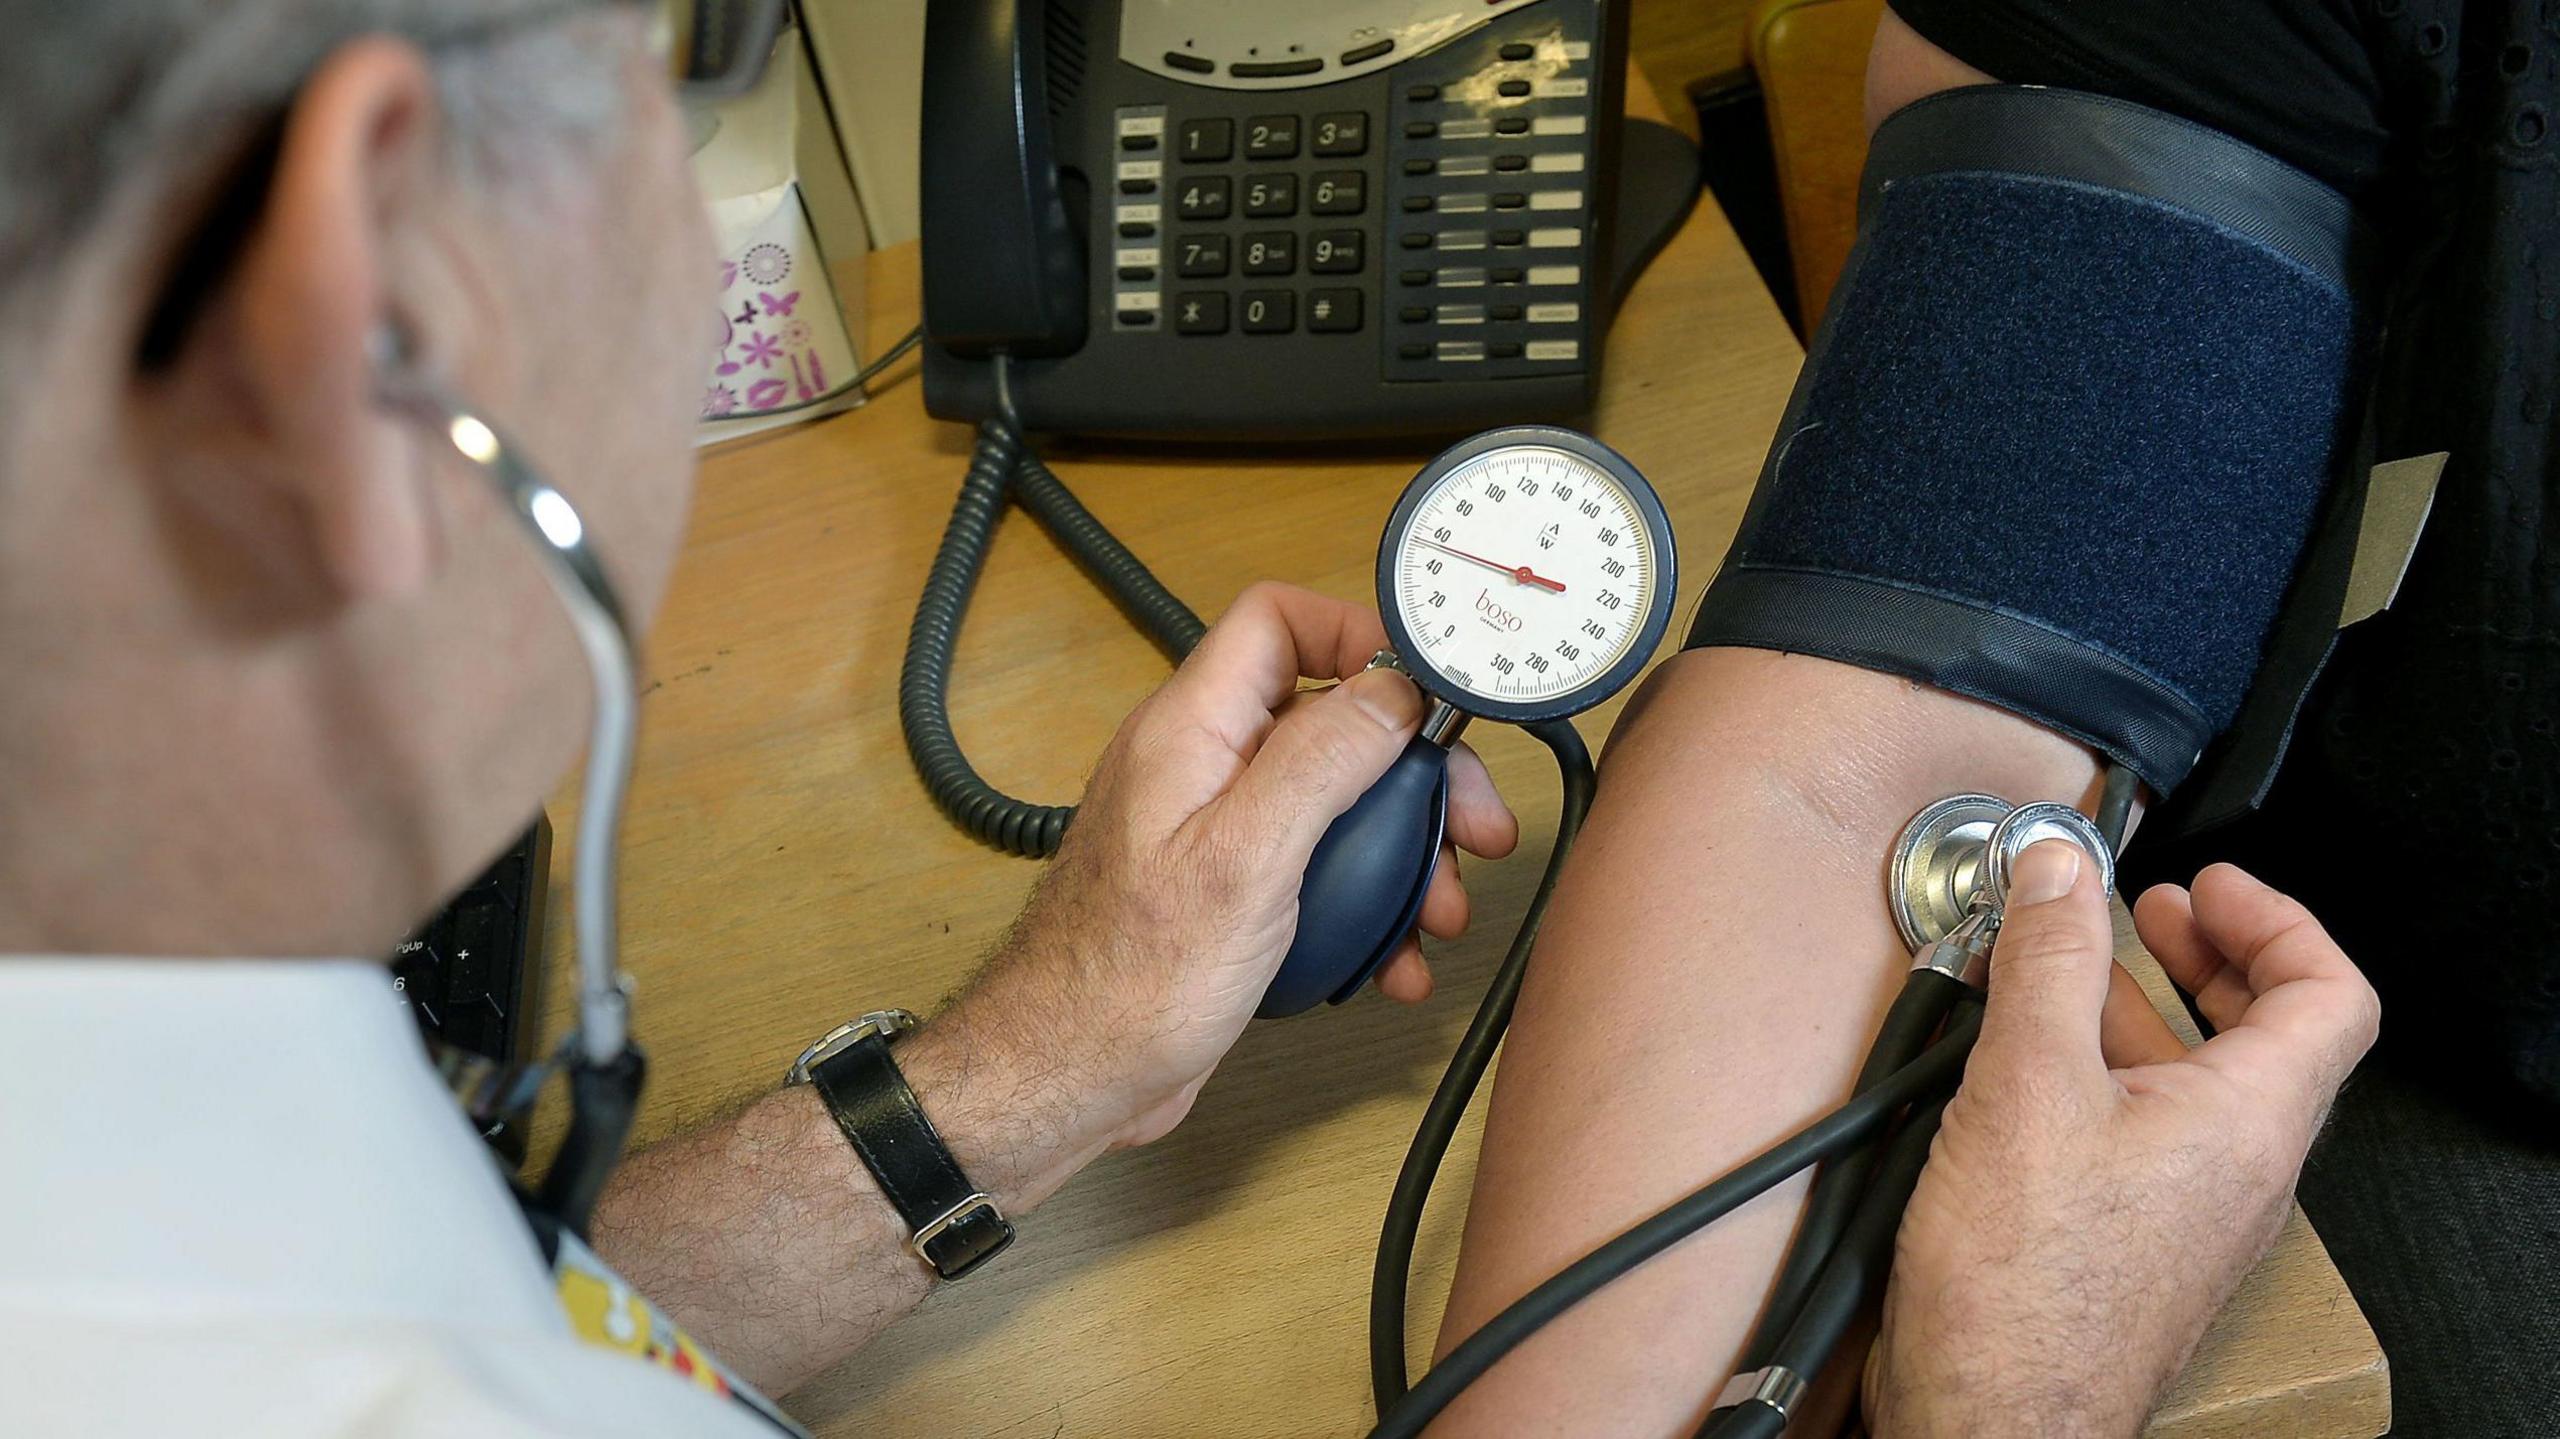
280 673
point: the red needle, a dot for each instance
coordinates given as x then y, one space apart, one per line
1522 573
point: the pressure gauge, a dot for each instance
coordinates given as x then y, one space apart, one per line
1527 574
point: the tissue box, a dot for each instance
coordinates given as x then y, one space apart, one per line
792 241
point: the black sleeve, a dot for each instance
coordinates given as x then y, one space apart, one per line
2295 78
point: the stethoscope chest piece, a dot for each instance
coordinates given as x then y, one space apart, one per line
1937 865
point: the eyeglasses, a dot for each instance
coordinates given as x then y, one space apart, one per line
715 48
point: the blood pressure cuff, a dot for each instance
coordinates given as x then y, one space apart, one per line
2063 436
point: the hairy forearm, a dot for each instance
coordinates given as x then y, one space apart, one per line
1715 961
767 1239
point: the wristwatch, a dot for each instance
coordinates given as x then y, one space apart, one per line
953 1225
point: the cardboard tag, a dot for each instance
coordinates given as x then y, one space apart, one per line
2397 501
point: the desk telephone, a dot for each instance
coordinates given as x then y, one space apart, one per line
1222 219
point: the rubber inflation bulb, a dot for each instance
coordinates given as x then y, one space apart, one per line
1364 886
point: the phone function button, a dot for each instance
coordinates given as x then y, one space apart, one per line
1509 276
1138 319
1414 277
1511 162
1345 132
1505 312
1503 349
1204 197
1334 252
1417 204
1274 69
1269 252
1422 94
1511 125
1337 192
1208 139
1200 312
1136 230
1414 314
1200 257
1196 64
1137 187
1136 273
1271 137
1138 142
1333 312
1363 54
1512 89
1509 237
1416 239
1269 197
1517 51
1413 350
1421 129
1509 200
1420 166
1270 312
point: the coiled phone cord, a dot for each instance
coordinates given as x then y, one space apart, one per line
1431 1138
1001 470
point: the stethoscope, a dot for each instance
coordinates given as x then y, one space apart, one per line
603 1068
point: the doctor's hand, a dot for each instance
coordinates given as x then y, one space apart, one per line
2097 1188
1151 937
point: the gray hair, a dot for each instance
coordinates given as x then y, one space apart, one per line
98 97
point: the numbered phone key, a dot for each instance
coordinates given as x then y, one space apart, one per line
1270 197
1269 312
1334 252
1206 140
1337 192
1269 252
1345 133
1203 197
1271 137
1201 257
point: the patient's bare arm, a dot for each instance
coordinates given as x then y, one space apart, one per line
1716 959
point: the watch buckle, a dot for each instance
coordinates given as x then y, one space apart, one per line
933 1228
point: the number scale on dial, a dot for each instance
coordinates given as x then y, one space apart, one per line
1525 574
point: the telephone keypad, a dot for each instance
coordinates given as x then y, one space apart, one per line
1270 252
1271 137
1266 198
1203 197
1208 140
1270 312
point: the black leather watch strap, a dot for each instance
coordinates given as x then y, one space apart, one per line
956 1228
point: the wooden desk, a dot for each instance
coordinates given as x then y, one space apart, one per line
783 869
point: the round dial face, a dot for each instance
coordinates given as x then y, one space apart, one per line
1524 574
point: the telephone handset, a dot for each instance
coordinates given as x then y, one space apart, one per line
1233 218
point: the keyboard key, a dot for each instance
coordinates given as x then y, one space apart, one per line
1200 257
1337 192
1270 312
1269 197
1200 312
1344 132
1208 139
1333 312
1334 252
1203 197
1269 252
1271 137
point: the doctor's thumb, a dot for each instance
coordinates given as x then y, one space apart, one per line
1324 754
2050 966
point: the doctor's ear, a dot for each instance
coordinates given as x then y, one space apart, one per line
338 284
